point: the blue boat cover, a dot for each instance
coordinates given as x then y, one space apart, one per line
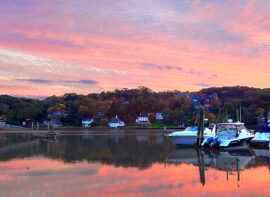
266 129
194 128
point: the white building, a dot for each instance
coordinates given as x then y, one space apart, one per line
116 122
159 116
53 123
142 119
2 121
87 122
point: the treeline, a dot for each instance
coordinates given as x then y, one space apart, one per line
254 102
71 108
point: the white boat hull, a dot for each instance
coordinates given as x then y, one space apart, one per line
185 140
261 139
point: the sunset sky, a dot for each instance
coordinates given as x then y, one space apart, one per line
57 46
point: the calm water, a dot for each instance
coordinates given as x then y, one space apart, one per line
125 164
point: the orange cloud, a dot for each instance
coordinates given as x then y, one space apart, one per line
97 41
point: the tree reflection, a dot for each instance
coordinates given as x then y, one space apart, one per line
115 149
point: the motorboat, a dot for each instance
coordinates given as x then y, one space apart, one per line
189 135
231 134
262 138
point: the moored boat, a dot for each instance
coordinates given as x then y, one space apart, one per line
262 138
189 135
228 135
50 134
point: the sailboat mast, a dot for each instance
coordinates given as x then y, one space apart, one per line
240 112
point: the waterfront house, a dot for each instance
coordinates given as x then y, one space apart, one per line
99 115
142 119
116 122
159 116
206 101
57 123
54 122
185 94
202 99
213 96
87 122
2 121
261 120
56 113
195 100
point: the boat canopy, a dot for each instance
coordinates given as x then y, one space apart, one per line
230 131
194 128
227 131
266 129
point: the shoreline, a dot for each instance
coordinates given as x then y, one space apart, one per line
90 131
76 130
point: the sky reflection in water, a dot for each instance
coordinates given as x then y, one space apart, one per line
127 165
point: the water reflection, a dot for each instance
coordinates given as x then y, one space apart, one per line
114 148
263 154
234 160
127 164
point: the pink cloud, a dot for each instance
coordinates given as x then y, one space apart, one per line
103 42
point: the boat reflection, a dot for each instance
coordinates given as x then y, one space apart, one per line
263 154
235 160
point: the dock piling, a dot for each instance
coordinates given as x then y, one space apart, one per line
200 134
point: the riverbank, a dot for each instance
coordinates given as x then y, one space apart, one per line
74 128
69 129
109 132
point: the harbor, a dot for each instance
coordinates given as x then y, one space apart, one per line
133 98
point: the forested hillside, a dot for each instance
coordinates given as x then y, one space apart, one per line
129 103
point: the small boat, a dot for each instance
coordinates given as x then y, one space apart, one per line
51 135
189 135
231 134
262 138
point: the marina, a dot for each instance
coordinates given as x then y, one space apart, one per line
133 98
